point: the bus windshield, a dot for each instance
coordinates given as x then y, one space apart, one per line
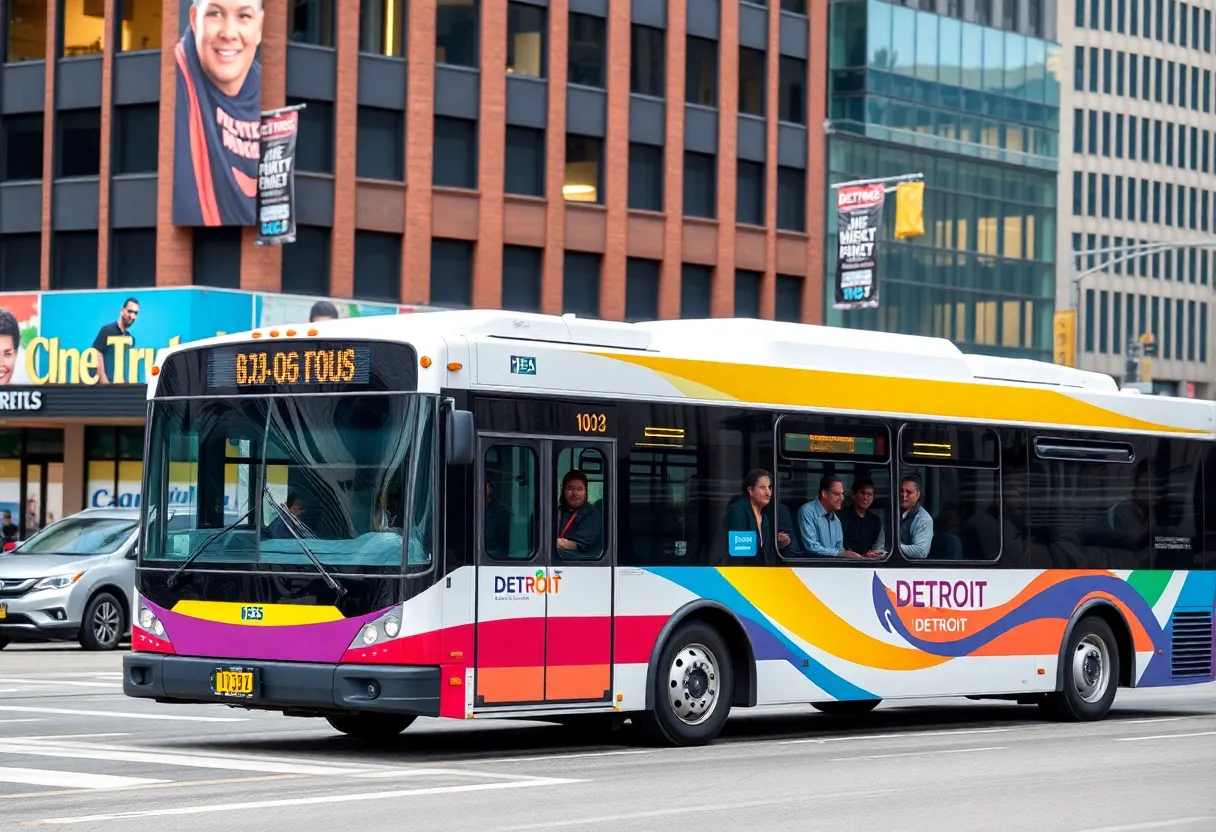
264 482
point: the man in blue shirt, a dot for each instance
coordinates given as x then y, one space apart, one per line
915 524
819 523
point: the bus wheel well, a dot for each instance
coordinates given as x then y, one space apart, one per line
742 658
1123 639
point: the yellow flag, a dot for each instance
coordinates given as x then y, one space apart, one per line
909 209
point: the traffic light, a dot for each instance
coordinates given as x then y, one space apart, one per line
909 209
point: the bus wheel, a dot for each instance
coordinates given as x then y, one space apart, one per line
1091 674
850 707
370 726
693 687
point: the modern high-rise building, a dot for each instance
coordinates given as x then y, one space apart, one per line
965 92
1137 168
618 159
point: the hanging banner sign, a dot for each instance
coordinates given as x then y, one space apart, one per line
858 217
277 177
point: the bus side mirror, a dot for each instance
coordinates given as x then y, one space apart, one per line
460 437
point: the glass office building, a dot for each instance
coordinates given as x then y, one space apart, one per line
970 98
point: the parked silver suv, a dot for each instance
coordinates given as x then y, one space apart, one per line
74 579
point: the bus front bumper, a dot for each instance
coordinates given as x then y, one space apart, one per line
284 686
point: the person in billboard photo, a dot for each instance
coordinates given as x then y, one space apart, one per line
218 114
106 374
10 342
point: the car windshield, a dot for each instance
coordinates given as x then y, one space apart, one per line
80 536
329 473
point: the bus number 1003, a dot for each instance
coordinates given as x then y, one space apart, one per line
592 422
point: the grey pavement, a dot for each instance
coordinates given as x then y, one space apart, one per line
76 753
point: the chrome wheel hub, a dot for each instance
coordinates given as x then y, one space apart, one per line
693 684
1091 668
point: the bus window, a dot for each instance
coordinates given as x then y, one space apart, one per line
949 493
511 502
581 507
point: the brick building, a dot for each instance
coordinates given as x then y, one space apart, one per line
628 160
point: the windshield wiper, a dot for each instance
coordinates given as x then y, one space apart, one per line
287 521
172 581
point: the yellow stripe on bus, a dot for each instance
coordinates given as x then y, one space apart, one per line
257 615
884 394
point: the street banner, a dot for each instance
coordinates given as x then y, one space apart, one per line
277 177
858 217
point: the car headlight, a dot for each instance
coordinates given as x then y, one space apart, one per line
58 581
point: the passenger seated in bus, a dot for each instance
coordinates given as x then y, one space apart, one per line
863 529
915 524
295 507
749 518
819 521
580 525
498 527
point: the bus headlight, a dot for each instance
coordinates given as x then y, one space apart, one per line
369 634
151 623
146 618
383 629
392 627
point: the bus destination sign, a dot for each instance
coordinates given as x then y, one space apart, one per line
819 444
289 365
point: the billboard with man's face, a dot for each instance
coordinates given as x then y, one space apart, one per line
218 114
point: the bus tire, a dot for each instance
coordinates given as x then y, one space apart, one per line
846 707
1091 674
693 687
370 726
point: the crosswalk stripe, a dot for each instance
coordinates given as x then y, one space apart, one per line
121 714
234 763
73 779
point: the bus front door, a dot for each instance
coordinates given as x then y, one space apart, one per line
544 577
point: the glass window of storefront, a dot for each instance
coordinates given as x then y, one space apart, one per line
31 480
115 466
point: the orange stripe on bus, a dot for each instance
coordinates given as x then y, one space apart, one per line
577 681
511 684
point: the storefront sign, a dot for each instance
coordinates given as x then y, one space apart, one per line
21 400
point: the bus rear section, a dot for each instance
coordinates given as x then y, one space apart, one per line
288 558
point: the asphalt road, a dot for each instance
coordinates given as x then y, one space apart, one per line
75 752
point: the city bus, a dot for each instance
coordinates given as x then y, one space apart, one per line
498 515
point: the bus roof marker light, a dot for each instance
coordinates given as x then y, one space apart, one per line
274 333
291 333
425 361
155 370
257 335
312 331
455 366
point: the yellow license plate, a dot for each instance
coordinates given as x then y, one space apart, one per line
233 682
3 611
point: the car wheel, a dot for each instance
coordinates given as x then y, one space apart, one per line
104 623
370 726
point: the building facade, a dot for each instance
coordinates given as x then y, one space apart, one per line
1137 153
965 92
452 152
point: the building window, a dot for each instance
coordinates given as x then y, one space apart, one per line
22 150
74 260
306 262
527 44
526 155
20 262
132 258
791 199
696 286
26 30
749 200
747 294
382 27
581 284
456 41
700 185
451 273
795 6
751 81
588 34
136 138
647 73
645 177
642 289
311 22
455 152
792 90
377 266
701 72
584 172
79 143
315 147
217 256
141 24
521 276
381 144
81 28
789 298
115 472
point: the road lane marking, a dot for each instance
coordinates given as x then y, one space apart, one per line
576 756
1152 824
179 784
67 682
234 763
901 736
120 714
1166 736
81 780
87 748
22 719
45 737
177 811
919 753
